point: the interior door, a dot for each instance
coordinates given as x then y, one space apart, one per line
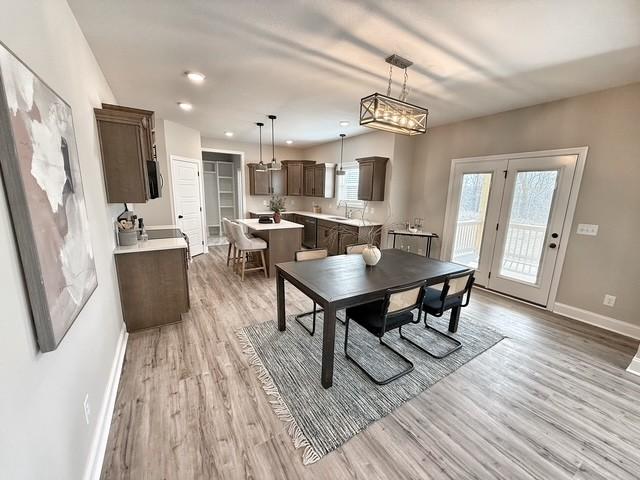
187 200
534 205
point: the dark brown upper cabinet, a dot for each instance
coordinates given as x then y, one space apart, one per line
373 172
126 144
270 182
295 176
319 180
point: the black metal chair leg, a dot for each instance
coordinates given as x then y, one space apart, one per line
457 344
313 325
371 377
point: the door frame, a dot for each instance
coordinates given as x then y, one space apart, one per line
242 198
450 215
203 217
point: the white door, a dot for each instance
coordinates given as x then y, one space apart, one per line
187 201
509 219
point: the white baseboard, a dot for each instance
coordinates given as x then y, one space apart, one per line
598 320
634 366
99 443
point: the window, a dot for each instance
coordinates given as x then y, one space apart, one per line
348 184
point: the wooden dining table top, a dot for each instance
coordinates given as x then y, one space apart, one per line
346 277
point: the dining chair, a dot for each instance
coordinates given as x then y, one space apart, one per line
303 256
381 316
356 248
440 298
228 233
246 245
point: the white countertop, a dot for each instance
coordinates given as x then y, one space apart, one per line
152 245
354 222
253 224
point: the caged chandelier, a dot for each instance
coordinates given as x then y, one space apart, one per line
384 112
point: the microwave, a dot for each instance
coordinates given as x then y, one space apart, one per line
156 182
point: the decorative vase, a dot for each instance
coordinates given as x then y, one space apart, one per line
371 255
277 217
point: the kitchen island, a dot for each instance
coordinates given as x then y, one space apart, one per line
283 239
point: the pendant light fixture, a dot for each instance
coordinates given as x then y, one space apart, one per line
383 112
274 165
340 170
261 167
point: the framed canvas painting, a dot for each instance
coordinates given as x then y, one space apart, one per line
43 186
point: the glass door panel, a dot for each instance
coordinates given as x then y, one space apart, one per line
527 227
472 213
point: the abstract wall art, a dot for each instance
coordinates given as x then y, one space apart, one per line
43 187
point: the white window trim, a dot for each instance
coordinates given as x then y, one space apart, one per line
339 187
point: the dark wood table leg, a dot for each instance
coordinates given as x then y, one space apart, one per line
282 322
328 344
453 320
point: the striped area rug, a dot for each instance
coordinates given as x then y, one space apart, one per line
319 421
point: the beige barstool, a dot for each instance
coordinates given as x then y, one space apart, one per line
246 245
228 232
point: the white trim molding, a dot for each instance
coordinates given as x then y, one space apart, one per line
602 321
101 435
634 366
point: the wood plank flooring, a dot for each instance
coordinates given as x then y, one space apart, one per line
552 401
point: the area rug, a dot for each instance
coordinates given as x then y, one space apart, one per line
321 420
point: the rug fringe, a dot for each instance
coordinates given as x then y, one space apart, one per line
278 404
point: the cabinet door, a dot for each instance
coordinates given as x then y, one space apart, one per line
279 182
124 161
348 236
328 237
295 179
318 181
365 182
308 181
259 182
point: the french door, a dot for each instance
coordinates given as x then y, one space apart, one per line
508 220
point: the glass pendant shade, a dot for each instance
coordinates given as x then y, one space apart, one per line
392 115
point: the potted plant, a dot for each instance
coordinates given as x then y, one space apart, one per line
276 204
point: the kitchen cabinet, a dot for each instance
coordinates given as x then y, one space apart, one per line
154 287
271 182
319 180
126 144
372 178
295 176
327 236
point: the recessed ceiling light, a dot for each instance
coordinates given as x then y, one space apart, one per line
195 77
228 134
288 142
186 106
344 123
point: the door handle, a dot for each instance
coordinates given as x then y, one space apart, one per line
552 245
180 217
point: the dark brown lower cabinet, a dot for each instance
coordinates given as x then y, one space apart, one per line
154 287
327 237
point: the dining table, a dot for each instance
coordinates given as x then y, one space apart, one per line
342 281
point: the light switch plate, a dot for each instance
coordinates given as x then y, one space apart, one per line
587 229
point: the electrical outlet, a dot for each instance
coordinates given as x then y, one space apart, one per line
609 300
265 203
87 409
420 251
587 229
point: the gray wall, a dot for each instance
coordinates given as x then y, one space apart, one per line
171 139
43 433
608 122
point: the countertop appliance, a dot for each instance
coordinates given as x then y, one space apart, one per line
155 179
309 238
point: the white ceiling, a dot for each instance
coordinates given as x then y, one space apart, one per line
310 62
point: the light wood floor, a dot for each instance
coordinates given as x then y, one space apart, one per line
552 401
